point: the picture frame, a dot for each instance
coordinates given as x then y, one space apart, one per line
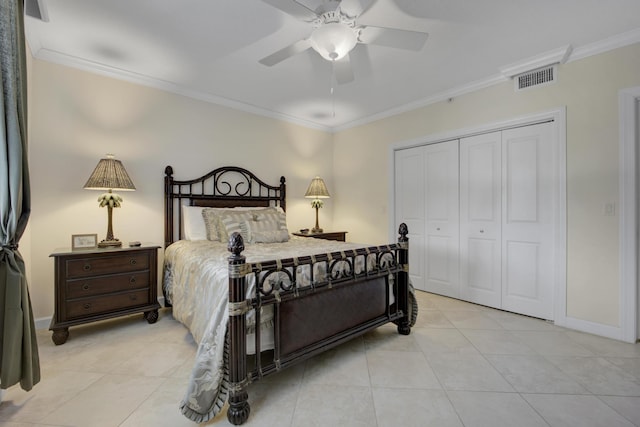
84 241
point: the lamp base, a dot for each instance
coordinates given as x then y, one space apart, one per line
115 243
316 230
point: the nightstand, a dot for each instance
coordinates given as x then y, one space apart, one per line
327 235
98 284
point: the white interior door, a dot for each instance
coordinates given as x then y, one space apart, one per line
528 202
442 218
409 208
480 219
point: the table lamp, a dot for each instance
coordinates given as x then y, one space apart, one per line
110 175
317 190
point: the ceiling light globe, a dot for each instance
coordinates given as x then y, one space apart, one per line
333 41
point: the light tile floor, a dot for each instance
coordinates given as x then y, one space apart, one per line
462 365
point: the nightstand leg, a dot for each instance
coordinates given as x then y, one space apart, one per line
60 336
151 316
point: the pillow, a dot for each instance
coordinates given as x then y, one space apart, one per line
273 215
211 220
264 231
229 223
193 225
217 231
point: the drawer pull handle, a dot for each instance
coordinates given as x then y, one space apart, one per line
132 280
87 267
87 306
85 287
133 262
133 297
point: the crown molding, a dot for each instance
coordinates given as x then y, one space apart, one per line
565 54
602 46
545 59
560 55
442 96
144 80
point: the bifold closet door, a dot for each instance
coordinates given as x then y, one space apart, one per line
528 202
442 218
480 219
426 180
409 207
507 208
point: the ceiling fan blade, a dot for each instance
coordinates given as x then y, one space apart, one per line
282 54
294 9
344 71
355 8
36 9
393 37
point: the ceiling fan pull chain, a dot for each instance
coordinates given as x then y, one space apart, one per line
333 79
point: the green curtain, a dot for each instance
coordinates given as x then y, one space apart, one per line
18 346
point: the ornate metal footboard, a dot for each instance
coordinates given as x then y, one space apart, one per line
347 294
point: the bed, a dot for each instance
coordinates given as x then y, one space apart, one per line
257 299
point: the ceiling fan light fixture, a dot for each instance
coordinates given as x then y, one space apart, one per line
334 40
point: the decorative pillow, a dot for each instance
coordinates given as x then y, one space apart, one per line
230 223
273 215
211 220
216 230
193 225
264 231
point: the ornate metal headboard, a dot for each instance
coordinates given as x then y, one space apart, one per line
228 186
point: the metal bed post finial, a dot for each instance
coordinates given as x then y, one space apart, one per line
403 230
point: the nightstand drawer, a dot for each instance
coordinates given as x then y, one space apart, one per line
95 266
96 305
106 284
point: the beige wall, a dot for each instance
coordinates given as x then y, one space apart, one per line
589 90
78 117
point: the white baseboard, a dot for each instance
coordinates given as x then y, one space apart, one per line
42 323
600 329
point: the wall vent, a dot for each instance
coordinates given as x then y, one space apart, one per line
541 76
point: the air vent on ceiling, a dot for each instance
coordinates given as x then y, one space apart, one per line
538 77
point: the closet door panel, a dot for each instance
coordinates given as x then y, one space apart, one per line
409 208
528 226
442 218
480 219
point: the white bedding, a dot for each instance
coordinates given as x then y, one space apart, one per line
196 284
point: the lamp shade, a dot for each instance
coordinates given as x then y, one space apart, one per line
333 41
109 174
317 189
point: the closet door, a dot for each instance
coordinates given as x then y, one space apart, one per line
480 219
442 218
529 199
409 207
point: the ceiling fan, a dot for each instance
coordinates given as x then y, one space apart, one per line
335 33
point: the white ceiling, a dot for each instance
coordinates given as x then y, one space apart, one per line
209 49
